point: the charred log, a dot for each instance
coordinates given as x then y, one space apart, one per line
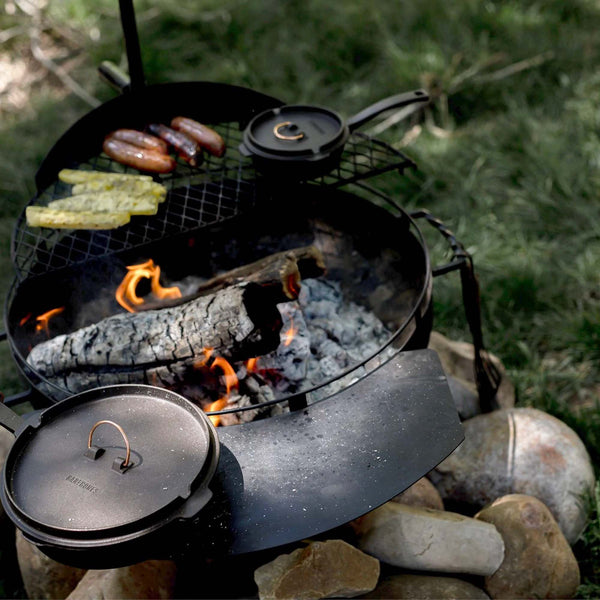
279 274
161 347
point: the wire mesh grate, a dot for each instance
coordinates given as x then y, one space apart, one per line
218 190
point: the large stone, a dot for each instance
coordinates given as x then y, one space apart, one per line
319 570
538 561
525 451
150 579
421 493
43 577
425 587
429 540
457 360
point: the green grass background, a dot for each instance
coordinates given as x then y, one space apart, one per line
508 153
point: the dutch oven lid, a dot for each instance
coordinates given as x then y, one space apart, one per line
295 131
109 461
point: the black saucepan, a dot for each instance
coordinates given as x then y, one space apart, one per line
100 478
298 141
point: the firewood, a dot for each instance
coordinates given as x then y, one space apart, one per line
279 274
160 347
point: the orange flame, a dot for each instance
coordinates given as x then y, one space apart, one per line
24 319
42 320
229 378
290 333
219 404
203 361
251 364
126 292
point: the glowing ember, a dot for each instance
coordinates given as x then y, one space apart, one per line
126 292
42 320
293 286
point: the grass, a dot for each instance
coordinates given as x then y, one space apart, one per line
508 152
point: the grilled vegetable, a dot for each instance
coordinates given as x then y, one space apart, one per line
141 139
206 137
182 143
108 202
41 216
80 176
138 158
131 187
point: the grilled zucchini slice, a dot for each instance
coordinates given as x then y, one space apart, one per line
42 216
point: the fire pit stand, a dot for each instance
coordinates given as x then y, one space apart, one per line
294 475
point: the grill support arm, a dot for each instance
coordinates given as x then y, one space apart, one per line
487 376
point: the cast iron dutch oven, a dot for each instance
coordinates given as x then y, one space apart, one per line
101 479
298 141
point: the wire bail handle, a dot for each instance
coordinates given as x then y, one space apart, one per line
126 462
283 136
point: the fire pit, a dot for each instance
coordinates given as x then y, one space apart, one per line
338 404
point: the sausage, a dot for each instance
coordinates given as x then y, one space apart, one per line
139 158
184 145
140 139
206 137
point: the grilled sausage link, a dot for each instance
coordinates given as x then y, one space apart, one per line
206 137
140 139
184 145
138 158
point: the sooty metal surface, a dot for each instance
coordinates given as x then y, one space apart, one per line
299 474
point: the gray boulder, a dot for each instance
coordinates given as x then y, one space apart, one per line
523 451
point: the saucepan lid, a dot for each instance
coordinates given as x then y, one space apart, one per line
107 464
296 131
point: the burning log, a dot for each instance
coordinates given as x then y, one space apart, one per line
235 314
279 274
160 347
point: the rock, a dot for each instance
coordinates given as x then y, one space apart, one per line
425 587
465 397
42 576
538 561
319 570
150 579
421 493
429 540
457 360
524 451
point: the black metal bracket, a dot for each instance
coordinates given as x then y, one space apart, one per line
132 45
460 255
487 376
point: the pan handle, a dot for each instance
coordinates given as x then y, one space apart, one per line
9 419
396 101
114 76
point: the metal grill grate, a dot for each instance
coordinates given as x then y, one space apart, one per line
220 189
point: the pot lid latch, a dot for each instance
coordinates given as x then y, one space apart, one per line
120 464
